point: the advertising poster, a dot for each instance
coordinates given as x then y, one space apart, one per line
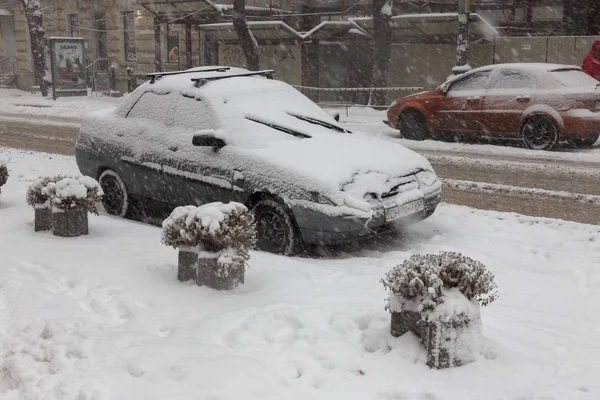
66 63
173 47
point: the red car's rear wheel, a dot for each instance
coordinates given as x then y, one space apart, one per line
540 133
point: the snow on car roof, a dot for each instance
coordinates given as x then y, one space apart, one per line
534 67
249 107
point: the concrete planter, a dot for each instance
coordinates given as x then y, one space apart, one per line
209 273
451 333
43 219
451 343
187 264
69 223
406 321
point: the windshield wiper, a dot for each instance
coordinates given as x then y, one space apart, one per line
281 128
319 122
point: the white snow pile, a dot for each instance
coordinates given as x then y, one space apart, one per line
211 227
104 318
82 193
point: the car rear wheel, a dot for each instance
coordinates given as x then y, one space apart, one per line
586 142
540 133
412 126
275 228
116 197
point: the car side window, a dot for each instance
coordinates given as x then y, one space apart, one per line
192 113
151 106
512 79
597 54
475 81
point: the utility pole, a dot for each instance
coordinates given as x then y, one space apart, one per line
462 39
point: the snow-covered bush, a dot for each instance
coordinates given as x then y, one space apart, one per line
422 278
38 194
437 297
75 194
221 234
3 173
211 227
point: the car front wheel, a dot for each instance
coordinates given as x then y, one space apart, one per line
116 197
540 133
275 228
412 126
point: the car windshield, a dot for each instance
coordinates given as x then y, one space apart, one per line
574 78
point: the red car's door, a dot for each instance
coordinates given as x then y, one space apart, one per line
458 110
509 94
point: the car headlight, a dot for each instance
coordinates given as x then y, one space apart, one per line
317 197
426 178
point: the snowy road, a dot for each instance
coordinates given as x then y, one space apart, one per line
563 176
103 317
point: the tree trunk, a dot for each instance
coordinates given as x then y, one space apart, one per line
245 37
382 48
39 46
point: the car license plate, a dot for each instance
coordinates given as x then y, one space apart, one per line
395 212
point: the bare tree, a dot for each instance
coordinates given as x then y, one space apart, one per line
382 49
245 37
39 46
581 18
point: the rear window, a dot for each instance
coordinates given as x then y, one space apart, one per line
574 78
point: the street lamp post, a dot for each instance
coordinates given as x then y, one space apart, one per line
462 39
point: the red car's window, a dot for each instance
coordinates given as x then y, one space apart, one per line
475 81
511 79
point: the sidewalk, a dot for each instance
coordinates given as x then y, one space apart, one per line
16 103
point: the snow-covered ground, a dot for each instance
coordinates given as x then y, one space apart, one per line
104 317
13 101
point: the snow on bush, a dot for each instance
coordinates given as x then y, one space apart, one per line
211 227
223 231
422 281
75 194
38 194
3 172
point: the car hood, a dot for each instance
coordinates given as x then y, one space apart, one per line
342 165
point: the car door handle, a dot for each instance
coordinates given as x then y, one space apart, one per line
523 97
473 98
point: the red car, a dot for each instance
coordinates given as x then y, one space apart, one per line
539 104
591 63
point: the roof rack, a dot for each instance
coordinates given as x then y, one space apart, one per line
154 76
201 81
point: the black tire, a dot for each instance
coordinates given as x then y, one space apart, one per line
540 133
586 142
275 228
412 126
116 199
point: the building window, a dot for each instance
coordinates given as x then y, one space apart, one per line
129 36
73 25
101 41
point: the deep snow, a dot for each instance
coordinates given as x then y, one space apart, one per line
104 317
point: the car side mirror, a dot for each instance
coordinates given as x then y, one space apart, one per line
208 141
444 90
335 115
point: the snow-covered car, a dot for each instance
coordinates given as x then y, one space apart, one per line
539 104
228 134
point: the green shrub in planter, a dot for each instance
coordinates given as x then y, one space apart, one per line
437 296
72 200
3 174
220 235
38 197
